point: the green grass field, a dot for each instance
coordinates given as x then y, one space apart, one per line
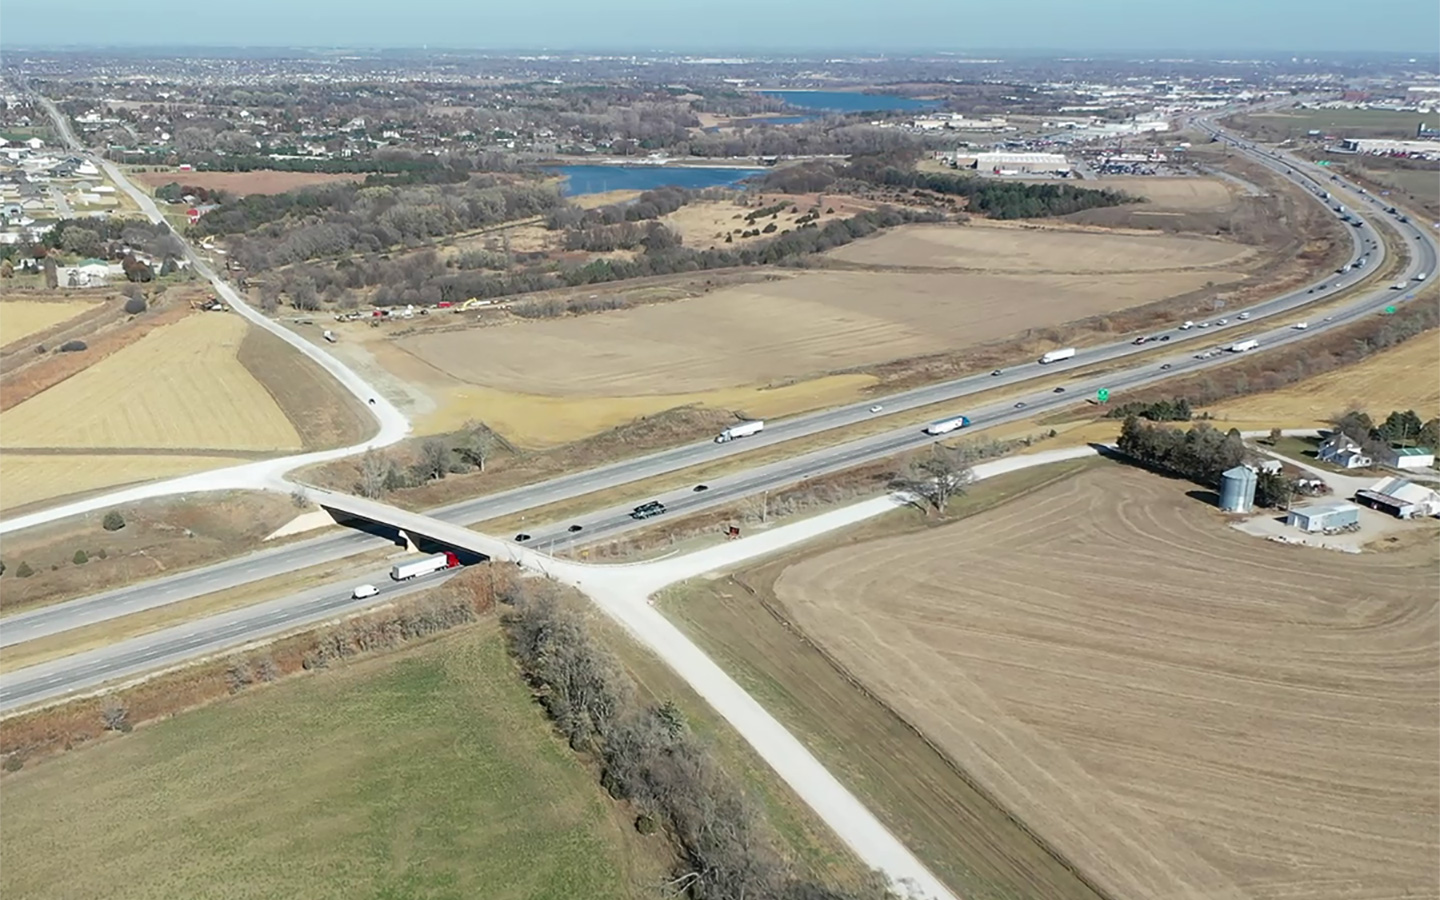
426 773
1339 122
964 837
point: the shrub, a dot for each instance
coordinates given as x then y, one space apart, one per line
13 763
645 824
2 567
101 554
135 305
24 571
81 557
73 346
113 521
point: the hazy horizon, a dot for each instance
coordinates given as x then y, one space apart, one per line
1279 27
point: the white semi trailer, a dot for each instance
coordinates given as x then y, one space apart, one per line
1057 355
1242 346
744 429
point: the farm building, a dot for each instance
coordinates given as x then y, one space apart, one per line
1324 516
1410 457
1237 489
1021 163
1401 497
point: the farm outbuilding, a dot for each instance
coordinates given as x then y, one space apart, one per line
1410 457
1324 516
1237 489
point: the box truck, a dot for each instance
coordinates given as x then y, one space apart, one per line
945 426
744 429
1057 355
409 570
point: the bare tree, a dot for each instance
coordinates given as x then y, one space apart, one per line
373 471
476 444
114 714
434 459
937 477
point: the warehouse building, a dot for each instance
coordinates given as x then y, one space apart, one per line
1410 457
1022 163
1329 516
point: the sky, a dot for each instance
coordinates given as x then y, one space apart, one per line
892 26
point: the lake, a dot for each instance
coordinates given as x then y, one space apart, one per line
849 101
599 179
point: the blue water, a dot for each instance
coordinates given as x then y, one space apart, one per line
848 102
598 179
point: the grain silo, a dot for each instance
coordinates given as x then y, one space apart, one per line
1237 489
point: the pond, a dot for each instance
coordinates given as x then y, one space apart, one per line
599 179
849 101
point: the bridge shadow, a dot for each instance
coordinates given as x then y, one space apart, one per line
396 536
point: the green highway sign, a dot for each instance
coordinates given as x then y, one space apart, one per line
1389 310
1103 395
1323 162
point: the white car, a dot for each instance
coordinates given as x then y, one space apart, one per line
1300 326
875 409
364 591
1204 324
1243 316
1222 322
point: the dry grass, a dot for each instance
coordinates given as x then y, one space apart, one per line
179 387
31 478
536 421
787 329
1179 709
1194 194
1407 377
160 536
323 412
21 318
242 183
703 225
1036 250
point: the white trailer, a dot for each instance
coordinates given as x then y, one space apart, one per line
416 568
1057 355
744 429
945 426
1242 346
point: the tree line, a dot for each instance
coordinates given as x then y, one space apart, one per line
338 219
648 756
1200 454
998 199
1401 428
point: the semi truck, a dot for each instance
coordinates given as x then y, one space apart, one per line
1242 346
416 568
945 426
1057 355
744 429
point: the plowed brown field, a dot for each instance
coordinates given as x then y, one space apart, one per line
1180 710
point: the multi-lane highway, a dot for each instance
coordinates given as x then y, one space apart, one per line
606 523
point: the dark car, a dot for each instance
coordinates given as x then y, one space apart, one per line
1165 366
1164 337
700 487
994 373
574 528
522 537
646 510
1020 405
1059 390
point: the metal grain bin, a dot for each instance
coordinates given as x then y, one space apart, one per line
1237 490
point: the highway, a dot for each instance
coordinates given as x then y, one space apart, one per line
615 521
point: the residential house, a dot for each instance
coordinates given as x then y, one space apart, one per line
1341 450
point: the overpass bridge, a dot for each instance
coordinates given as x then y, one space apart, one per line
416 528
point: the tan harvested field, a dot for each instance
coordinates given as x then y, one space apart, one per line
180 387
242 183
21 318
1407 377
30 478
1198 194
790 328
1179 709
1037 250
